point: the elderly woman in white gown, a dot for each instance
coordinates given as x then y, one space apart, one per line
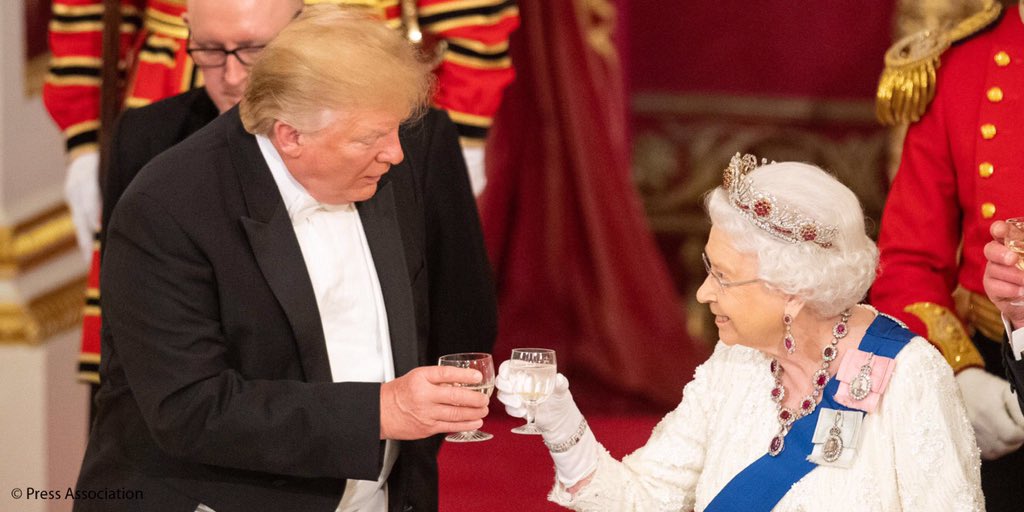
809 402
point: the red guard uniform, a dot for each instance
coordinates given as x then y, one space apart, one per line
962 168
472 75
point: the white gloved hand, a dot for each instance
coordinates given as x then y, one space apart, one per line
82 193
474 156
993 411
558 419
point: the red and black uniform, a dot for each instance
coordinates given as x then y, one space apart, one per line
153 38
153 50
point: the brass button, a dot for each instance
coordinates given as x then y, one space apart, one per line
986 169
1002 59
988 130
988 210
995 95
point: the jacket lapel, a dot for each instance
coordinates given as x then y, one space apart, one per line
379 216
277 251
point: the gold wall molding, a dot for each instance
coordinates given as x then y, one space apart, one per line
675 168
777 109
26 246
44 316
35 241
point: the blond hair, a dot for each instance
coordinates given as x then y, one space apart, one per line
333 59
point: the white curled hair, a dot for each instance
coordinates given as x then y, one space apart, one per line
829 280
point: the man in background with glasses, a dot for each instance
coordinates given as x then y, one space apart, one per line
225 39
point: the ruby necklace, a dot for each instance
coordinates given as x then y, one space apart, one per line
820 378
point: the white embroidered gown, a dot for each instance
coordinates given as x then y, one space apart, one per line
917 451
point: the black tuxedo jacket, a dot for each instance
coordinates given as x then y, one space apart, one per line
1014 371
216 387
143 133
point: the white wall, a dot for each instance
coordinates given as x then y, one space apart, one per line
44 425
31 147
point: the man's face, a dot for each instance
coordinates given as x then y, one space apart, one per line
231 24
343 162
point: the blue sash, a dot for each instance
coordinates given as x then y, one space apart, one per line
760 486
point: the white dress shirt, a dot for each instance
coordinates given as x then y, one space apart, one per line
350 301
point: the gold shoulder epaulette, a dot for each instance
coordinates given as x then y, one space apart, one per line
947 333
907 84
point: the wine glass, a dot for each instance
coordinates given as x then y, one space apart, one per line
533 380
1015 242
485 365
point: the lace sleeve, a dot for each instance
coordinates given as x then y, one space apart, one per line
936 457
661 475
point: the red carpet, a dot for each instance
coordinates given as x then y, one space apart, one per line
514 472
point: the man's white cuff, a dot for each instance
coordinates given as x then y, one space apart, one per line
1016 339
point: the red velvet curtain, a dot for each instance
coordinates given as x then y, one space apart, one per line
576 265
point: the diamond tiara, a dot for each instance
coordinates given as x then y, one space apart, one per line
767 212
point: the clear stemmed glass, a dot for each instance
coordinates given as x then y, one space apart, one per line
1015 242
533 379
484 364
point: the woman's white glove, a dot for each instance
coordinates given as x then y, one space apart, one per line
82 193
994 412
558 419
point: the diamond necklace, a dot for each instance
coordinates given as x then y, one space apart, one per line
820 378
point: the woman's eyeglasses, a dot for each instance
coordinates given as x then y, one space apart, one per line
722 282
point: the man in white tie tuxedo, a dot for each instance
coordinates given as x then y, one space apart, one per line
279 285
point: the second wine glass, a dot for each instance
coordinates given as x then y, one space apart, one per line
485 365
533 380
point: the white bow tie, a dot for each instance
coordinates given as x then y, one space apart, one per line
306 207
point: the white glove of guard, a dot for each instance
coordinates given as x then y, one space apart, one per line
557 418
993 411
82 193
474 156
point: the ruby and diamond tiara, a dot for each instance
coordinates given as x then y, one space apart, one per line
767 212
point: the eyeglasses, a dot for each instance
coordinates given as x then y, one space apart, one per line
721 282
218 57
